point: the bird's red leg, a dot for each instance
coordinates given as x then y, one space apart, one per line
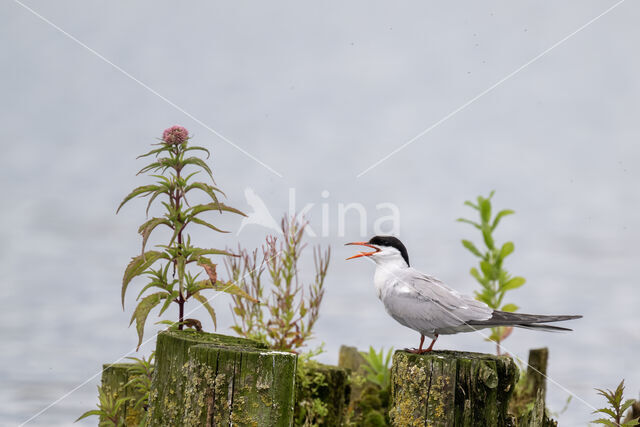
430 346
418 350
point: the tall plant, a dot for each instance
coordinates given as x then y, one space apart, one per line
169 270
289 312
492 276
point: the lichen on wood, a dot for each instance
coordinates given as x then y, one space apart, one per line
445 388
231 386
210 379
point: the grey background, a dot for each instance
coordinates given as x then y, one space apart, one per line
320 92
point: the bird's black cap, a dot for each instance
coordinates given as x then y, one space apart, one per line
393 242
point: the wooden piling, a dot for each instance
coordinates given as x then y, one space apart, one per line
446 388
528 404
202 378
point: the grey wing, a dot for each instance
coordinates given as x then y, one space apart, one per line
462 308
425 304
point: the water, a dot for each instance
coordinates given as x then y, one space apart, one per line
319 94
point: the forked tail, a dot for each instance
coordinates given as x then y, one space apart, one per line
522 320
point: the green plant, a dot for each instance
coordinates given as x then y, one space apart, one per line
172 278
286 319
309 409
378 366
110 410
492 276
140 380
616 408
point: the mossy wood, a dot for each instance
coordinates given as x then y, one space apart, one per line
350 359
174 388
114 382
528 405
368 403
244 387
328 384
445 388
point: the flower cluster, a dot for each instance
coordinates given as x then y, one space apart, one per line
175 135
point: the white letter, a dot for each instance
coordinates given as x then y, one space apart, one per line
394 218
342 210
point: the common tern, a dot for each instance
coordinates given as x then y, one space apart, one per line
428 306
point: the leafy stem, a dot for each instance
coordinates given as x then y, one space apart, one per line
170 160
491 274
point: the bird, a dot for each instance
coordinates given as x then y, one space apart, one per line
425 304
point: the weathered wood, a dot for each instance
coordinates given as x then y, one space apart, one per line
445 388
528 402
350 359
233 386
368 403
537 371
327 384
166 399
114 382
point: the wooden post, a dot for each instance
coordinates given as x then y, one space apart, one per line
114 380
231 386
528 404
327 384
351 359
180 395
537 371
447 388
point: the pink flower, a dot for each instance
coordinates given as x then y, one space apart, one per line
175 135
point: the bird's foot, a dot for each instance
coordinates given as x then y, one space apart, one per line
417 351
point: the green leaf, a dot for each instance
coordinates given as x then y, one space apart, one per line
196 161
170 298
140 191
486 268
501 215
506 250
470 204
626 405
206 224
152 198
228 287
474 272
196 253
605 422
467 221
509 308
142 311
195 147
89 413
209 189
488 238
485 209
146 228
197 209
472 248
156 151
205 302
606 411
137 266
514 283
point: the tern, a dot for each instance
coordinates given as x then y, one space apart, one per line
428 306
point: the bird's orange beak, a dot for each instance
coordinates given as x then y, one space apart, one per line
363 253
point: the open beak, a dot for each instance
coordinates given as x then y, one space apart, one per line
363 253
